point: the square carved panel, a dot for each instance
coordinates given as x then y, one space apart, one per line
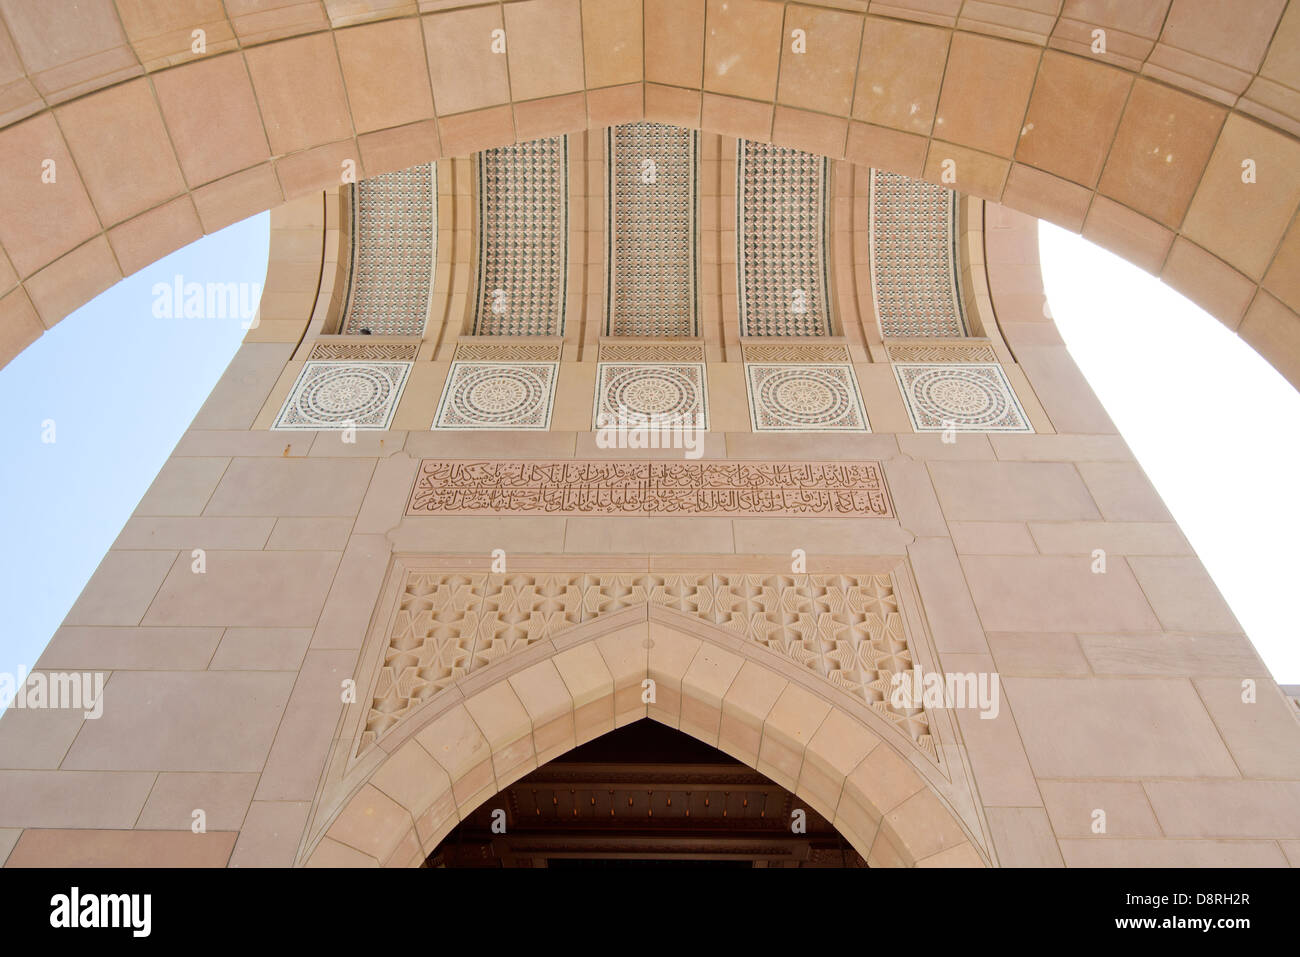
961 397
342 395
804 397
497 396
651 393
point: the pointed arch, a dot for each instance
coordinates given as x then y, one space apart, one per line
532 708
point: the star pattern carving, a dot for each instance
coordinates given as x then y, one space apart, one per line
847 629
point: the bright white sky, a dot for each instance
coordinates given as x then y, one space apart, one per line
1213 424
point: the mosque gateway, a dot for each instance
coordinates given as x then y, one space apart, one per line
651 444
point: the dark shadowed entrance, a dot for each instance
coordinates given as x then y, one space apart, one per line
644 796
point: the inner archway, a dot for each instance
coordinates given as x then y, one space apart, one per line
444 761
645 795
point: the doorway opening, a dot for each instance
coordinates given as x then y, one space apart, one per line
645 795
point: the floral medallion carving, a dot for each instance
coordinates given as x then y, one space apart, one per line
497 395
804 398
961 397
342 395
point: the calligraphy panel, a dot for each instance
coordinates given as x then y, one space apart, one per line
578 487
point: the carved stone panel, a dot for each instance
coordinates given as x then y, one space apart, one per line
846 628
577 487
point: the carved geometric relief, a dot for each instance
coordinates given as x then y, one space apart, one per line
523 247
657 394
497 395
795 352
960 397
508 352
448 625
393 249
390 351
651 352
651 231
642 488
804 397
781 211
845 628
937 351
342 395
914 266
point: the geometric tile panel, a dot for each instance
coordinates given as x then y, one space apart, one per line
393 250
523 246
656 394
914 266
939 351
804 398
960 397
794 352
612 351
342 395
392 351
781 213
648 487
846 629
497 396
507 352
651 231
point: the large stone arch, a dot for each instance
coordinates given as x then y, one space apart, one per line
1140 146
524 711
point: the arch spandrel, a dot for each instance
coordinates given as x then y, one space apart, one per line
453 702
409 794
991 112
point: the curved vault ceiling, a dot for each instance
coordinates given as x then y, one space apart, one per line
775 217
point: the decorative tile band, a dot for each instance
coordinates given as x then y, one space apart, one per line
393 252
942 352
781 211
804 397
794 352
365 351
523 248
497 396
343 395
652 240
846 628
914 266
651 352
642 488
507 352
960 397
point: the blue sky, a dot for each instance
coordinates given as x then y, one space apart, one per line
121 387
1210 421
